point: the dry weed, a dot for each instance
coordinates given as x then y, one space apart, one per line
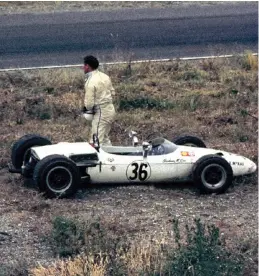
171 98
82 266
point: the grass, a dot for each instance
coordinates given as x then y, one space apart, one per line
214 99
202 252
11 7
52 100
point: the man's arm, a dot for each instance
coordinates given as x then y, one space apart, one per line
89 96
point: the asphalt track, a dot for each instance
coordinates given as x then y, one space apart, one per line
29 40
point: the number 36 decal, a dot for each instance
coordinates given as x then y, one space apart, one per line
138 170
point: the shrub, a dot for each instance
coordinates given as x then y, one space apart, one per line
202 253
105 237
70 238
67 237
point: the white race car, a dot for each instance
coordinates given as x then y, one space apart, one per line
59 169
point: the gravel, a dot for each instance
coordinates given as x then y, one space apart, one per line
25 217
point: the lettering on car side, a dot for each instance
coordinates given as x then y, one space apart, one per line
236 163
174 161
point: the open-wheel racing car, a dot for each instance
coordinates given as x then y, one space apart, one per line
59 169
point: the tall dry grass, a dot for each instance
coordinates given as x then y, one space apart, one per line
199 247
215 99
81 265
144 257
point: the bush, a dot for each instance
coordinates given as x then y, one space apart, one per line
67 237
70 238
202 253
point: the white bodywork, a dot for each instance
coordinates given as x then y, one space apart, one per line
115 168
63 148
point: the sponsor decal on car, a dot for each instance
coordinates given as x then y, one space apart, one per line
237 163
174 161
187 153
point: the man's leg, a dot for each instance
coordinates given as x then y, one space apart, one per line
104 128
96 127
106 139
101 124
108 118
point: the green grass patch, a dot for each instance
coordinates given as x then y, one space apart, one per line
67 237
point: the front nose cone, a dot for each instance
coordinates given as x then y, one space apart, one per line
252 167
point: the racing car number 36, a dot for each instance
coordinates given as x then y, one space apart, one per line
138 170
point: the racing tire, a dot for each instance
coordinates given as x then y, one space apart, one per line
21 147
190 141
212 174
56 176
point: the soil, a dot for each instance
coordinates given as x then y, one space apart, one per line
26 217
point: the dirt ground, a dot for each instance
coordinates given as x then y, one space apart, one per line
25 217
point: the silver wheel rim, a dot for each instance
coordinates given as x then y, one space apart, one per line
59 175
214 176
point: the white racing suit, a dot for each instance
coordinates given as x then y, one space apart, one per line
98 97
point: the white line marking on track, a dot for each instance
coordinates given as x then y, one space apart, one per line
121 62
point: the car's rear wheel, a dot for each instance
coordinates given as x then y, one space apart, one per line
57 176
190 141
212 174
20 149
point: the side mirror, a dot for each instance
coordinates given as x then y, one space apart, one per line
146 148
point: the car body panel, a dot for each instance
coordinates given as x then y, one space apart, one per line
63 148
129 165
136 169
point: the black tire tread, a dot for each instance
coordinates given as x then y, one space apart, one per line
207 159
49 161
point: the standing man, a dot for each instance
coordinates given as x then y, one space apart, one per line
98 100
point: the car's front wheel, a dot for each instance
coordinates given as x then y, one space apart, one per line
212 174
56 176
